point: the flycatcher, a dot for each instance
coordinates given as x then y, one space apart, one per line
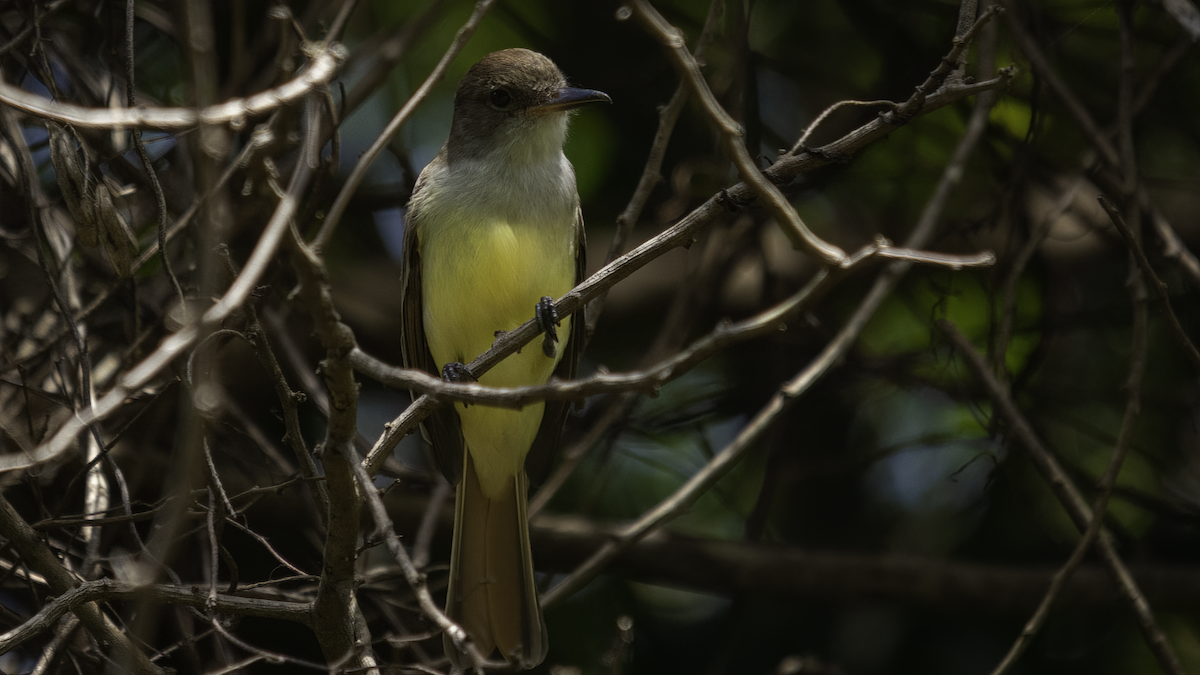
494 233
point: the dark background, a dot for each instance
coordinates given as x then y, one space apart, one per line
888 522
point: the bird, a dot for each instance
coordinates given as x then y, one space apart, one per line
493 233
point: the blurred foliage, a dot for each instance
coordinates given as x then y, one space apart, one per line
895 451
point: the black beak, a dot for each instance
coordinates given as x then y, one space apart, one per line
569 98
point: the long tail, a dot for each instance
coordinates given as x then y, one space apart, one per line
492 591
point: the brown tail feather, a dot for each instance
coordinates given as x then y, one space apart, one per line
492 591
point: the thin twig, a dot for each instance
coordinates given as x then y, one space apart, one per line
940 77
178 343
1173 244
651 176
387 46
1152 280
359 171
384 530
288 399
1137 370
159 198
1068 496
62 635
1028 45
802 144
187 595
687 494
731 134
917 239
340 20
96 484
1174 247
1017 268
38 556
673 506
32 26
573 457
260 654
261 137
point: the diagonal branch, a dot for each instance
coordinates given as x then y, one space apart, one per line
668 115
650 379
1068 495
1152 280
416 580
731 135
1137 370
1174 246
719 465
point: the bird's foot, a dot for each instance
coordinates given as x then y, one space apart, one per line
548 319
457 373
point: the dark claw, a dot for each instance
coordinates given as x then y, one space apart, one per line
457 373
547 317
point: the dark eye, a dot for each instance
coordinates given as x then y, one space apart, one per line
500 99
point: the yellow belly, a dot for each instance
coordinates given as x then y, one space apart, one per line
487 278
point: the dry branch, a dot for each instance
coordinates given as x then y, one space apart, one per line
325 64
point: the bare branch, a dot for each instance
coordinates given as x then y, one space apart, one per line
38 556
1137 369
364 161
338 624
416 580
731 133
176 344
1069 496
259 139
326 60
1152 280
920 236
103 590
159 198
819 575
668 115
650 379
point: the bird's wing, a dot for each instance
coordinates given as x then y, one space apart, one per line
441 428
